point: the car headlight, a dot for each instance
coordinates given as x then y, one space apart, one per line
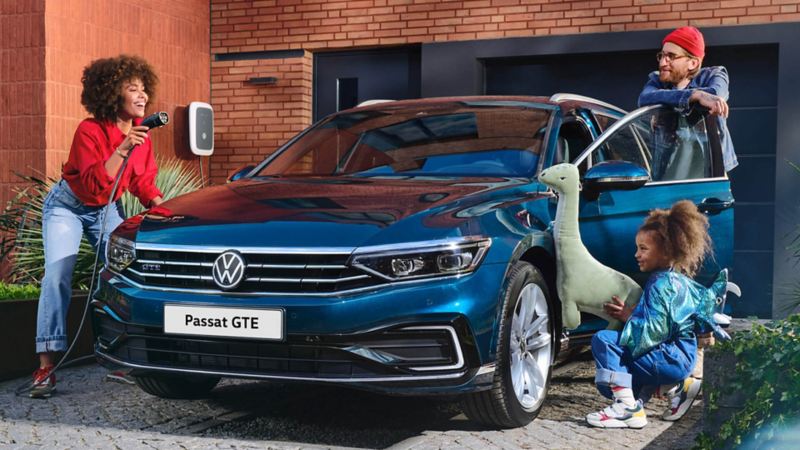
423 260
120 253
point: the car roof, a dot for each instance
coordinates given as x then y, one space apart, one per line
563 101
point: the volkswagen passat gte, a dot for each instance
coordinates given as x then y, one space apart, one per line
402 247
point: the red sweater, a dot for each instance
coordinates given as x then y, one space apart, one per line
94 143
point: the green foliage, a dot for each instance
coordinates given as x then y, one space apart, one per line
18 291
174 179
794 247
21 222
768 374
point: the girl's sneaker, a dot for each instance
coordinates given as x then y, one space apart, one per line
617 415
681 398
44 383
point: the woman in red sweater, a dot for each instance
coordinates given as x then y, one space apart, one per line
116 92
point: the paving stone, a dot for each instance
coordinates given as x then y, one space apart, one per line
87 412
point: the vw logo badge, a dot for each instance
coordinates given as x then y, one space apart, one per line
228 270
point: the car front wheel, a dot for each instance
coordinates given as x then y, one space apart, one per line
524 354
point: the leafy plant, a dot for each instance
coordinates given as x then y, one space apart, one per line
18 291
794 247
21 222
768 374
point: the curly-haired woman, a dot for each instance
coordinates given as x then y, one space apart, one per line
116 92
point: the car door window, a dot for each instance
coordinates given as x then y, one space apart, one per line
604 121
671 146
681 148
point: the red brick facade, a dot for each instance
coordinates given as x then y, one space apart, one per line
250 121
253 128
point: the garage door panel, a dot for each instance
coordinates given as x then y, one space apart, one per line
753 71
753 130
746 239
754 181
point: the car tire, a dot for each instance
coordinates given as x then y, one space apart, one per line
524 366
176 386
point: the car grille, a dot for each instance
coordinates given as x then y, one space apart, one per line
390 353
264 272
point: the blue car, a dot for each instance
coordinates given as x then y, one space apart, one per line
403 247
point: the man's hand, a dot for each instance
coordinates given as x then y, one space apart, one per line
716 105
617 309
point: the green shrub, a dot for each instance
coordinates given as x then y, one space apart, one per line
18 291
21 222
794 247
768 374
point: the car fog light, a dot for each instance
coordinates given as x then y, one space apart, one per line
402 267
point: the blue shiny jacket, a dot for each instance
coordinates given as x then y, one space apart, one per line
713 80
672 307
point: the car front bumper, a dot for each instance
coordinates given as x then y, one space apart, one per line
411 338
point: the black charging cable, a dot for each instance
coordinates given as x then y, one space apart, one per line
153 121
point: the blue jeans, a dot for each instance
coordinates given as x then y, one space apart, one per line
668 363
65 219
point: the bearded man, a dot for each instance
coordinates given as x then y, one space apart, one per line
681 82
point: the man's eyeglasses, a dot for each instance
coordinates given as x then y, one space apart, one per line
670 56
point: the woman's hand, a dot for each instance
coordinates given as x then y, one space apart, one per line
135 137
617 309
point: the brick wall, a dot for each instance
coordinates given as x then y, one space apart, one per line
252 120
319 25
22 85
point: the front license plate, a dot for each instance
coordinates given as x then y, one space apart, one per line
228 322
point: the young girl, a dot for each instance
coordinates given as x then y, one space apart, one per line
657 346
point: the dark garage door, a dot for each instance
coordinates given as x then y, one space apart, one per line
617 78
344 79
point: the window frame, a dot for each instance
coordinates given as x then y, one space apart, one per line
711 130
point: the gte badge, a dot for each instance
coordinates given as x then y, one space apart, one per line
228 270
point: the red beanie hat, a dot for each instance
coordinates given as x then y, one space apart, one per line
689 39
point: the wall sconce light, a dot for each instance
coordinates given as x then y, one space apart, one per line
262 80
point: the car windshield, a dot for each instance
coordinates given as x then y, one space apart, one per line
486 138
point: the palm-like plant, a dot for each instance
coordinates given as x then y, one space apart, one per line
21 222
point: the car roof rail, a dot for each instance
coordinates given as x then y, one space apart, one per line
373 102
563 96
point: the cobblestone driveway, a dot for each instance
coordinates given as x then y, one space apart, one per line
87 412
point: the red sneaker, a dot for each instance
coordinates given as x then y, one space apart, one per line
44 383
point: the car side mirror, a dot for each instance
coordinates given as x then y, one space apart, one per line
613 175
240 173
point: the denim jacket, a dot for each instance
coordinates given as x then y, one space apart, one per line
713 80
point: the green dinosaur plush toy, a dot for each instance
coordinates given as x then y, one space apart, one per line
583 283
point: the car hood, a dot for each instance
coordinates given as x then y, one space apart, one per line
326 212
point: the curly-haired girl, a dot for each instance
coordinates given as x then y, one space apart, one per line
658 345
116 92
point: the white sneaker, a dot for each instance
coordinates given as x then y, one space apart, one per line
681 398
617 415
